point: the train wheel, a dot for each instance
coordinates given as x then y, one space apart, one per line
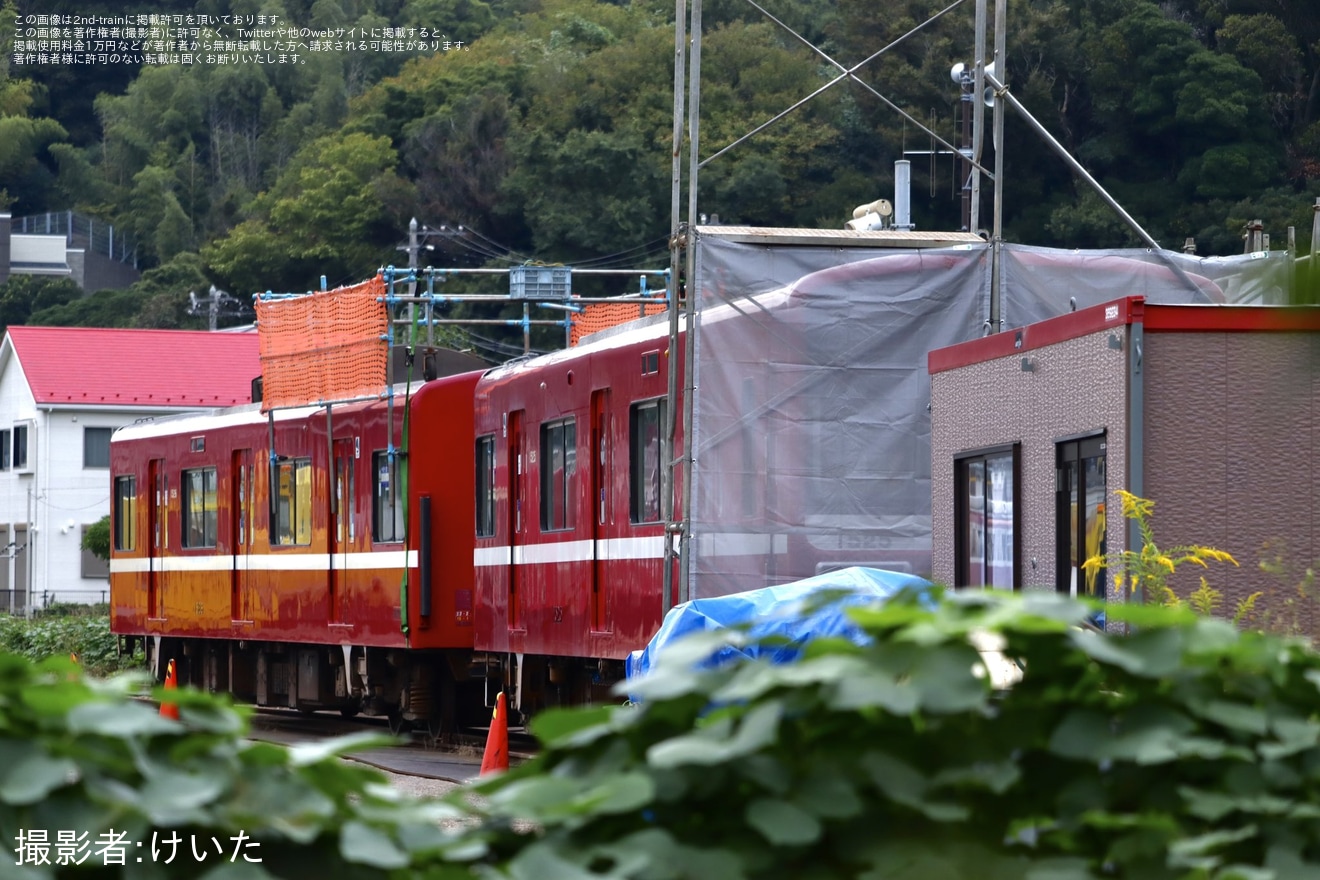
398 724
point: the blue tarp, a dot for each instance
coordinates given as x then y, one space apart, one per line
779 611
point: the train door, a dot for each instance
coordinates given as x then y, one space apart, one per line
342 531
517 510
600 514
240 508
158 528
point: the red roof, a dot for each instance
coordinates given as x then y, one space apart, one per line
136 368
1168 318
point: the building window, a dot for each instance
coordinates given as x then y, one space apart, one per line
199 507
6 441
1080 530
20 446
96 447
558 464
293 502
387 506
93 566
986 534
486 486
646 454
125 513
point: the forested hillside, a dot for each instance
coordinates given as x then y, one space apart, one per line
544 130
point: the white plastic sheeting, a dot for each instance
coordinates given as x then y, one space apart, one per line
811 432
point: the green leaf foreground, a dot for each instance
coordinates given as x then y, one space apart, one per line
1184 750
1187 750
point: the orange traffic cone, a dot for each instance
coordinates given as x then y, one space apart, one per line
497 741
168 709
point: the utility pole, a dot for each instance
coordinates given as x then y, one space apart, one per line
412 248
417 242
210 306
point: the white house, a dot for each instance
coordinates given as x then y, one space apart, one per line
63 391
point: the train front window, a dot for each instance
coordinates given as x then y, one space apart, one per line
199 507
486 486
125 513
646 449
293 506
558 465
387 504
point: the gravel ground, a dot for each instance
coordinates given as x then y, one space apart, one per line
419 786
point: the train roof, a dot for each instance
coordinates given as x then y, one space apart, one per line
243 414
878 238
652 327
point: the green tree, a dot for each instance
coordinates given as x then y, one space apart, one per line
96 538
458 20
158 300
334 211
23 295
104 308
25 140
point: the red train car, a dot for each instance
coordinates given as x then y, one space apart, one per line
484 531
571 459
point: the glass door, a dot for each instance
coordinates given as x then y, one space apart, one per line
1080 532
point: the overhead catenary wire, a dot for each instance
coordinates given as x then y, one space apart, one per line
646 249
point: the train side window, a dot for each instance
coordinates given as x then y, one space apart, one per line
486 486
293 507
558 466
199 507
646 449
387 506
125 513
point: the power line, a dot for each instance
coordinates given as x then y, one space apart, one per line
648 249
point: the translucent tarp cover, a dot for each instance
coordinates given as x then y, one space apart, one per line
811 432
797 612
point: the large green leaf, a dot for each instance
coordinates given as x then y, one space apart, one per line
1151 653
361 843
35 777
718 742
124 720
578 727
782 823
303 754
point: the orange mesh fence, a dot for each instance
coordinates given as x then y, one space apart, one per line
601 316
324 346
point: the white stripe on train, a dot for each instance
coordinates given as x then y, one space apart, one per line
385 559
652 547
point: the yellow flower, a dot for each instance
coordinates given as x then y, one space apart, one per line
1135 505
1216 555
